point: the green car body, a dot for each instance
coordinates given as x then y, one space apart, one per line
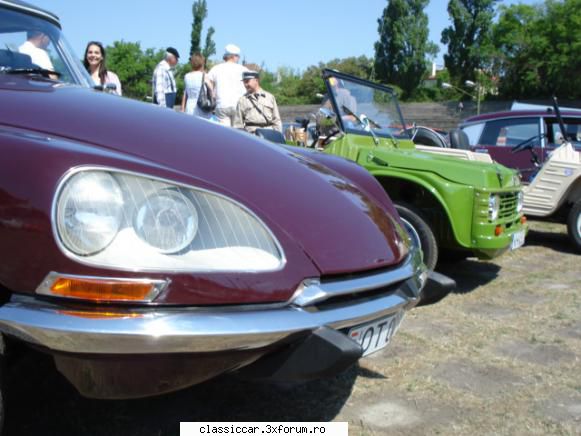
451 196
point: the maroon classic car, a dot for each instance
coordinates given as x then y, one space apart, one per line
147 250
499 133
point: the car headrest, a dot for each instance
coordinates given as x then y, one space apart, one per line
14 59
459 139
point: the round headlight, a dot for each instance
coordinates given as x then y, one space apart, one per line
167 220
520 201
493 206
90 212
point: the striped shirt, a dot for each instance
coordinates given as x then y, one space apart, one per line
163 82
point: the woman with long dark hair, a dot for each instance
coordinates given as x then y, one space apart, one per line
95 63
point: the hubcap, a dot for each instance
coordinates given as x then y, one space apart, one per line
579 225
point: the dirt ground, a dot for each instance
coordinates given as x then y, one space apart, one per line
500 356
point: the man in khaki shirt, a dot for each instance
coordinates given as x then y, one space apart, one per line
257 109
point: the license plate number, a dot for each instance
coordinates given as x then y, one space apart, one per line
376 335
518 239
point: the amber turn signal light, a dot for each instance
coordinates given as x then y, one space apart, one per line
101 289
498 230
523 219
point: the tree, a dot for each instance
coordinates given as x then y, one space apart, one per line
210 45
538 50
401 54
199 12
133 66
468 38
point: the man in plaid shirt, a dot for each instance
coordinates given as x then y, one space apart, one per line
164 84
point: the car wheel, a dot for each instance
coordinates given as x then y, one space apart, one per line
574 225
420 233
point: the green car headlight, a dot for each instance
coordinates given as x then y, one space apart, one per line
133 222
520 202
493 206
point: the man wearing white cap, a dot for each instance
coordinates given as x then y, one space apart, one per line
228 87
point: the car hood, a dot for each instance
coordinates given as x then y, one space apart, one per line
473 173
336 224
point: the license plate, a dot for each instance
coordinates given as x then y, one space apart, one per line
376 335
518 239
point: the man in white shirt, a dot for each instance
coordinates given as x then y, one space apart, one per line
227 80
35 47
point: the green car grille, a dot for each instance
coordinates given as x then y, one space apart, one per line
508 202
507 210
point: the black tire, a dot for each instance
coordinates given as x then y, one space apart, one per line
420 231
574 225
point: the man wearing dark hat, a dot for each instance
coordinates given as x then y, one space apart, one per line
164 84
257 109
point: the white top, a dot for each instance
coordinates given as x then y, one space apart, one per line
193 84
227 80
37 55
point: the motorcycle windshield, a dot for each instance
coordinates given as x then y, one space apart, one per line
364 107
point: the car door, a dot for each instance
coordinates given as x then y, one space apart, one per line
499 137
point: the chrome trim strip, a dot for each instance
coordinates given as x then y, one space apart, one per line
44 288
312 291
187 330
179 331
32 10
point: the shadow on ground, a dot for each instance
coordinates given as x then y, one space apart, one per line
41 401
553 240
469 274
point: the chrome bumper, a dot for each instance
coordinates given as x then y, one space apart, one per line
193 330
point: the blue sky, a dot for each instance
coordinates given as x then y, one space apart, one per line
275 33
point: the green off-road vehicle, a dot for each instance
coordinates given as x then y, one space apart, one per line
448 205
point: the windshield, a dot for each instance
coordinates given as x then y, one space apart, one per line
365 106
29 43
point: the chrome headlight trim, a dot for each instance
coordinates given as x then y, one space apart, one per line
166 269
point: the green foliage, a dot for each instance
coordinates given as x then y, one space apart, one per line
199 12
210 45
291 88
133 66
468 38
403 49
423 93
538 50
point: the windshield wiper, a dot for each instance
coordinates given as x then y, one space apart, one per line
42 71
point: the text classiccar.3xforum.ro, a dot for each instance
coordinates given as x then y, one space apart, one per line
266 429
260 428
